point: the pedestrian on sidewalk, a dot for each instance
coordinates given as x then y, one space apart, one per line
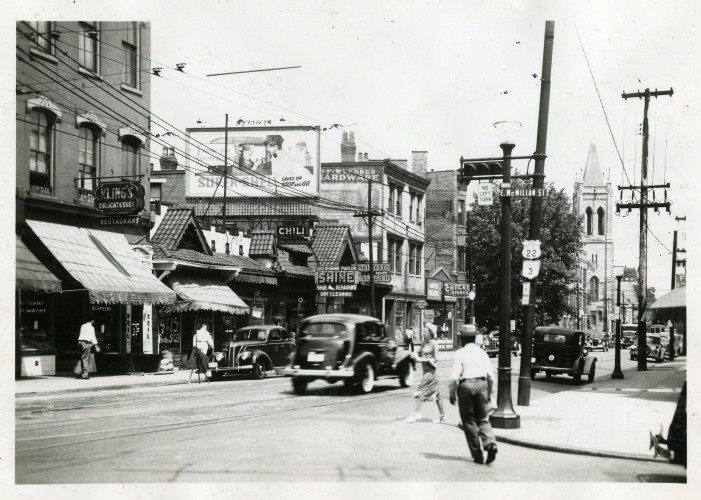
409 339
472 384
201 343
86 341
428 388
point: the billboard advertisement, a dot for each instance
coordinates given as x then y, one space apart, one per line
262 161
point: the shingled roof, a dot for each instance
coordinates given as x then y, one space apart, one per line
286 267
262 244
180 229
328 243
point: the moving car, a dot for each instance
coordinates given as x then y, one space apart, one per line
348 347
596 341
254 349
491 344
558 351
655 348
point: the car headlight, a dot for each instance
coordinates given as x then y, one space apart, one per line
245 355
218 356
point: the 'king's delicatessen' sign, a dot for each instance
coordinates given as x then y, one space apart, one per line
119 198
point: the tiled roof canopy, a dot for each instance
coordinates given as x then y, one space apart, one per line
328 242
179 229
262 244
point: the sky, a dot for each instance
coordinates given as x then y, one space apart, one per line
436 76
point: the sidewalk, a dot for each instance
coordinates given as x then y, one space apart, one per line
608 418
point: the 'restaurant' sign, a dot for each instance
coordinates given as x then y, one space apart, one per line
119 198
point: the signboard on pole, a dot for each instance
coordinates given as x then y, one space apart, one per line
531 269
484 194
531 249
526 294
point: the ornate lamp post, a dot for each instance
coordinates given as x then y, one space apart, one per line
617 373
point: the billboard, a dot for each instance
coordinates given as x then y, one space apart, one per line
262 161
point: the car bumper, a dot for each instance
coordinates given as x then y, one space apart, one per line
305 372
553 369
229 369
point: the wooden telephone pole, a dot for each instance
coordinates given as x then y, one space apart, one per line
643 205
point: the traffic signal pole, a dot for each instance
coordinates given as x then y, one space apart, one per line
524 378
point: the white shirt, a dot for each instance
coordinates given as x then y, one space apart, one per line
87 333
202 339
471 362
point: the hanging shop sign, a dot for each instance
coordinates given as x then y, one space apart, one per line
292 234
459 289
378 267
119 198
434 289
377 277
335 293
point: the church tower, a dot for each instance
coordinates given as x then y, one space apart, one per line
593 201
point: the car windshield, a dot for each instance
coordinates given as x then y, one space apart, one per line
250 335
328 330
653 340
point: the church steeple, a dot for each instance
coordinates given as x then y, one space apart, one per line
592 172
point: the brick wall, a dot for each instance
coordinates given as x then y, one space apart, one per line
441 220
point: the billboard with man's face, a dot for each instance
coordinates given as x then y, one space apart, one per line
265 161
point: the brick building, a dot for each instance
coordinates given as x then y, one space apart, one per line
82 118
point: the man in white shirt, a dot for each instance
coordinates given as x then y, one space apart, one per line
86 339
202 341
472 384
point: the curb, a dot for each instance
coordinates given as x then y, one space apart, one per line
100 388
537 445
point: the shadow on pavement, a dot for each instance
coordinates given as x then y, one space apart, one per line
662 478
437 456
339 390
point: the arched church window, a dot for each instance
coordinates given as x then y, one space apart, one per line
601 220
590 216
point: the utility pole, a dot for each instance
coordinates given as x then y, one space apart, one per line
579 315
643 206
370 214
524 378
674 261
226 177
469 263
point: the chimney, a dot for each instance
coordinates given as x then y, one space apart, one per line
168 160
360 156
419 162
348 147
365 157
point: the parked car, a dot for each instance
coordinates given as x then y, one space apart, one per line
629 333
596 341
678 344
558 351
491 344
655 348
348 347
253 349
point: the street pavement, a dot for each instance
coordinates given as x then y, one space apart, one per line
606 418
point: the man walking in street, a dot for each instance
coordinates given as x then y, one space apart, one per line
472 383
86 340
201 342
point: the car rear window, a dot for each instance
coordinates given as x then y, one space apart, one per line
326 330
550 337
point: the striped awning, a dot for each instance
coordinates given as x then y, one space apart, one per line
30 273
255 278
104 263
675 298
205 294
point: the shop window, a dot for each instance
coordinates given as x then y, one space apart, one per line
41 137
130 48
89 47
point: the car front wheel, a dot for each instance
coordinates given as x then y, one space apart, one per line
406 374
259 370
592 373
367 378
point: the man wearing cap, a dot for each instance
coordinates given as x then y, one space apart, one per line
472 384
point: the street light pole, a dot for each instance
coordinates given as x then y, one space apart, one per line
505 417
617 373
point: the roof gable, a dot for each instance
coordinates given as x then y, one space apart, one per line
440 274
330 243
592 172
179 230
262 244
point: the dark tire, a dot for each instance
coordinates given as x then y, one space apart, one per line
533 373
406 374
299 386
592 373
633 357
259 370
217 377
548 375
577 378
366 378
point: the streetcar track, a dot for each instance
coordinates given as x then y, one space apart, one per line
125 432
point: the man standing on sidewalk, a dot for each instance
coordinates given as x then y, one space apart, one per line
472 383
86 340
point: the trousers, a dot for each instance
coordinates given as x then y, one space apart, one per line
474 405
85 356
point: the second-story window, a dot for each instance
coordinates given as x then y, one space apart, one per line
156 196
130 46
88 46
390 205
88 155
130 157
42 40
398 210
412 203
461 259
412 257
419 199
40 149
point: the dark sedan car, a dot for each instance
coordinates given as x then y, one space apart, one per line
348 347
254 349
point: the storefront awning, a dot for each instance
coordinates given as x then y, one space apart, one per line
257 279
674 299
30 273
200 293
104 263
